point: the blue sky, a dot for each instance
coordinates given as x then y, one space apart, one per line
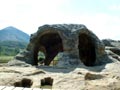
100 16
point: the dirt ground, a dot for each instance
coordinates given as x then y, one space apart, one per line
104 77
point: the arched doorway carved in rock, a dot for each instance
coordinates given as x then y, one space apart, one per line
50 44
87 52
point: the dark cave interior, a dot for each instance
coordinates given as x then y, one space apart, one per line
87 51
50 44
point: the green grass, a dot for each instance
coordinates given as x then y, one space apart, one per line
5 59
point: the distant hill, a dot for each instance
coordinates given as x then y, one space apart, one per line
13 34
12 40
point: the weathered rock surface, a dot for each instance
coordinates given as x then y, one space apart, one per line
111 43
69 39
107 42
91 76
112 48
104 77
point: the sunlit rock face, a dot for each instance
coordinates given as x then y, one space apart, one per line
74 42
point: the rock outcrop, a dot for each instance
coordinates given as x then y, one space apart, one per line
111 43
112 48
75 42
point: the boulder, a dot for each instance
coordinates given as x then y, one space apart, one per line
114 50
75 41
111 43
107 42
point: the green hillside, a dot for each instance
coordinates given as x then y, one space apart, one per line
12 40
13 34
11 48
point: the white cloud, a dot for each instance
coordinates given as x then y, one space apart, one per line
115 7
28 15
104 25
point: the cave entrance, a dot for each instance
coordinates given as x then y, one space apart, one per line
50 44
41 58
86 48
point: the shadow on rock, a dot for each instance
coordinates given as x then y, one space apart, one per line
66 69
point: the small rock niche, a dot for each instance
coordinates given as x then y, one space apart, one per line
47 83
25 82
